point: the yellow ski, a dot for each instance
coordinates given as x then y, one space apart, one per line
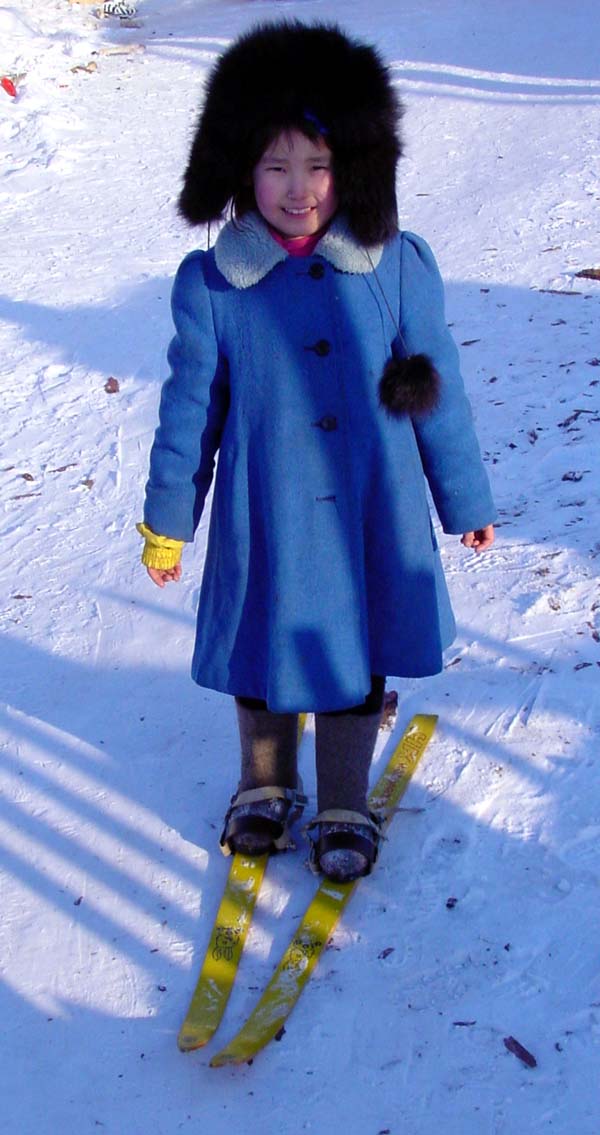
227 939
323 913
224 951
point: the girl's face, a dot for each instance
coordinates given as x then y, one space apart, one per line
294 186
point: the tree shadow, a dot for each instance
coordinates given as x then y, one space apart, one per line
512 339
487 62
103 337
74 809
109 833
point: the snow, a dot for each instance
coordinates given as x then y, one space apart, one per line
116 770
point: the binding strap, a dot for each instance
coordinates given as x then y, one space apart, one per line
365 835
281 837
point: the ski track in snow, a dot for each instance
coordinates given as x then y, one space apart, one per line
481 920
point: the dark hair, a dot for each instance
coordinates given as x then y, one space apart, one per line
312 78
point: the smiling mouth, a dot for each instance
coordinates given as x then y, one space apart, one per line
298 212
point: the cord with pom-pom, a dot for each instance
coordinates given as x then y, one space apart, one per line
409 386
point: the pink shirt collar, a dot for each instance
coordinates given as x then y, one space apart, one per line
297 246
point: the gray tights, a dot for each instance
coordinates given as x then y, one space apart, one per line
345 741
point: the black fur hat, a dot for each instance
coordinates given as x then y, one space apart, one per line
308 77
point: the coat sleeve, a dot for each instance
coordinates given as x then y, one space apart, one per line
446 436
193 410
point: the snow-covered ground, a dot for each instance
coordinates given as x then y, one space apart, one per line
116 770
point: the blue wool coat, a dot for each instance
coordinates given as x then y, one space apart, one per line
322 566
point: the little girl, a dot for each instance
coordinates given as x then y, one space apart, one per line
311 352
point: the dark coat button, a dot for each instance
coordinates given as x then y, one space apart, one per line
322 347
328 423
317 270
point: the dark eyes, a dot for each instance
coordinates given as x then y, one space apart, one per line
313 169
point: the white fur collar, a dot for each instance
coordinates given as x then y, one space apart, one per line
245 251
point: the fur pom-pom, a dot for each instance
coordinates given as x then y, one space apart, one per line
409 386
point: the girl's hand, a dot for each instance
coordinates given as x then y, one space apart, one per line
480 540
160 576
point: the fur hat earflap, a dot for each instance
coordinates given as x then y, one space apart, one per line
409 386
313 78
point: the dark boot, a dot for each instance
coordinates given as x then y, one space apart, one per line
267 801
346 836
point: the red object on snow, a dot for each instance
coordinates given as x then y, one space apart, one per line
9 86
